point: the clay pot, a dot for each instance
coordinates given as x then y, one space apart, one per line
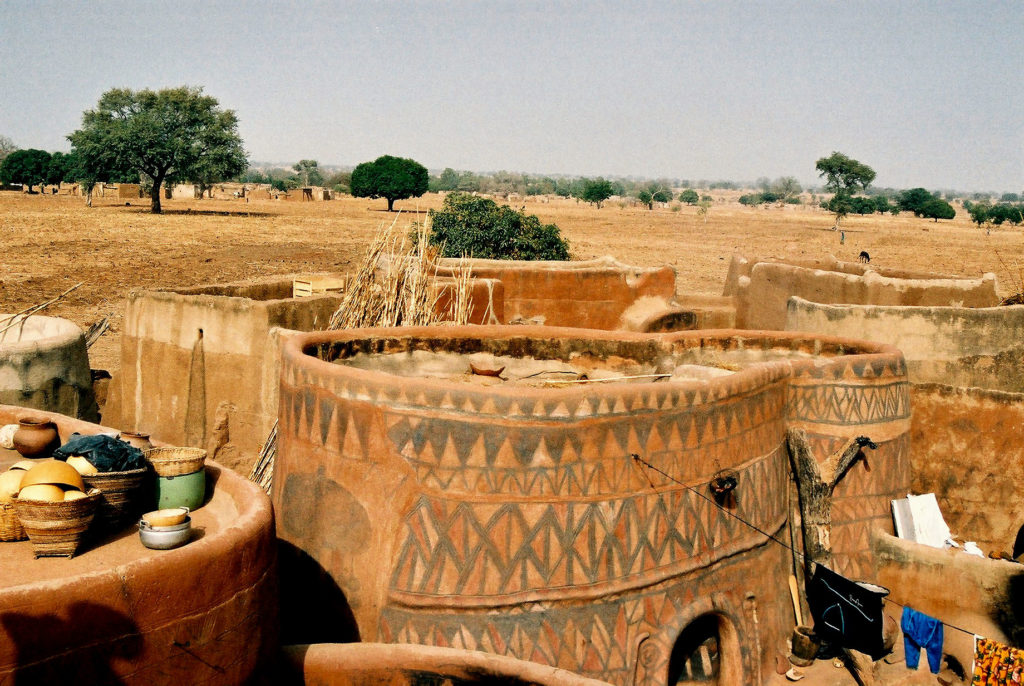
805 646
136 440
35 437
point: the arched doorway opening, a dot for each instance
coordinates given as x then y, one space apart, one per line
705 652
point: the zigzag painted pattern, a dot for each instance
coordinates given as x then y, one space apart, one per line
849 405
501 548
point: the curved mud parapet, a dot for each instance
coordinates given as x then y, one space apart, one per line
959 346
514 520
44 364
119 613
592 294
762 288
372 664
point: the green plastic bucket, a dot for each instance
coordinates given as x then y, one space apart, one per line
183 490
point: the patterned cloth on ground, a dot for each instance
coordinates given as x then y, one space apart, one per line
996 664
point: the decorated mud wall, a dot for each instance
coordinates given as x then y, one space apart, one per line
515 521
762 288
44 364
958 346
199 366
118 613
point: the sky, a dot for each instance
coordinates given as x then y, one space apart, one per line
927 93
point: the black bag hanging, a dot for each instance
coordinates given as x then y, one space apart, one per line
846 612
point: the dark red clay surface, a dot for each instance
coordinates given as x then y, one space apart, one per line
121 613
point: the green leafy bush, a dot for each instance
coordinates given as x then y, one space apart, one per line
470 226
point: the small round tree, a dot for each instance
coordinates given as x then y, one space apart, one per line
25 166
936 209
394 178
467 225
596 191
689 196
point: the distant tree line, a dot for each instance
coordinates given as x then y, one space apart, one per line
985 213
32 167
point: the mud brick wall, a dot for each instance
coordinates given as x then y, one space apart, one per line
199 367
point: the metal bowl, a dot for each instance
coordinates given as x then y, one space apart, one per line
165 537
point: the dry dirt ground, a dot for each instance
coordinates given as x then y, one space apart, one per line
49 243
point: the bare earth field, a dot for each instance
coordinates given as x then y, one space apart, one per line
49 243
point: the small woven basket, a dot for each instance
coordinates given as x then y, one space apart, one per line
57 529
176 461
10 526
120 496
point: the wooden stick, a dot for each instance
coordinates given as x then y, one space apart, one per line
609 379
28 312
795 595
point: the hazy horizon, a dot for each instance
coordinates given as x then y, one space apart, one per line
925 93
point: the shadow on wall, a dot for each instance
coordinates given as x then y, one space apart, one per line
313 608
1008 612
33 638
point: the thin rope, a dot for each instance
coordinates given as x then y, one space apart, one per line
641 461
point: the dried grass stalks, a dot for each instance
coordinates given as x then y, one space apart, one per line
395 285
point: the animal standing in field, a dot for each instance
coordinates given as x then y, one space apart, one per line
864 256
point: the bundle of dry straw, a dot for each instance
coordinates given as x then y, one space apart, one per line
396 284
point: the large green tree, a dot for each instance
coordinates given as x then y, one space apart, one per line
843 177
936 208
25 166
689 196
394 178
62 167
914 200
172 135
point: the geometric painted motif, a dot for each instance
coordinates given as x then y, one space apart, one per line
601 639
499 549
456 454
844 404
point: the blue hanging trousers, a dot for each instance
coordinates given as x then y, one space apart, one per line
921 631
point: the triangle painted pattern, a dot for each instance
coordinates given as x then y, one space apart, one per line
459 454
501 548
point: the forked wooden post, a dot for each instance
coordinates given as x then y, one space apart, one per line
815 484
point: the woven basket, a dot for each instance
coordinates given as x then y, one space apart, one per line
10 526
176 461
120 497
57 529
